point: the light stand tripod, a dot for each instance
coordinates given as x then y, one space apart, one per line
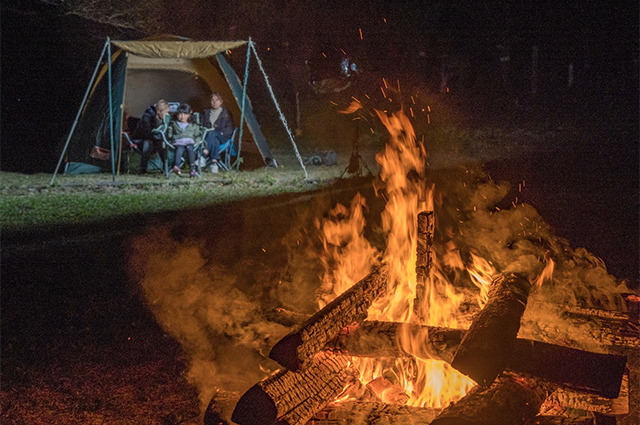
354 168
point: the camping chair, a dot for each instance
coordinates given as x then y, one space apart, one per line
168 147
228 148
131 147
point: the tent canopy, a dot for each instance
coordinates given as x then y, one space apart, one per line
177 49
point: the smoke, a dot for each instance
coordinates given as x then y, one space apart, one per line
223 330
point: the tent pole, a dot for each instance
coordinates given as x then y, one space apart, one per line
113 159
244 98
84 100
282 118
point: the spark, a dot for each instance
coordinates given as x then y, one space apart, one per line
398 85
385 83
411 109
428 119
413 100
383 93
360 29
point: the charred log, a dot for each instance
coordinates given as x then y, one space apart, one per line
488 344
597 373
382 339
293 398
424 258
368 413
297 349
511 400
564 399
583 370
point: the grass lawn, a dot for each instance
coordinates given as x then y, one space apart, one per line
29 200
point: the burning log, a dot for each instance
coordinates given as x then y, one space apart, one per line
563 399
512 399
296 350
293 398
583 370
381 339
370 412
597 373
424 258
488 344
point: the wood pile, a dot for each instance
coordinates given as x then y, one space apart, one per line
519 381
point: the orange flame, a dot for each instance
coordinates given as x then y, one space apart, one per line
426 381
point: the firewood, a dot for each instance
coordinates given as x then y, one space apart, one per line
382 339
424 258
583 370
563 399
597 373
559 420
291 397
488 344
349 413
512 399
297 349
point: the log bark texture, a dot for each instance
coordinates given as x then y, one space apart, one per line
424 259
293 398
382 339
596 373
296 350
350 413
512 399
565 399
488 344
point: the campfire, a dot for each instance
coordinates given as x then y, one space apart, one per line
438 328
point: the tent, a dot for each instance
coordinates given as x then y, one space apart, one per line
139 73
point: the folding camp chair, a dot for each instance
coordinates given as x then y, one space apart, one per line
168 147
228 149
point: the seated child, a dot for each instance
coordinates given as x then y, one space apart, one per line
184 134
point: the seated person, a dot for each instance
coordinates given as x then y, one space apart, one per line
184 134
219 119
143 136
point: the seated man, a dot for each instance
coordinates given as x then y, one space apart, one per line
219 119
143 136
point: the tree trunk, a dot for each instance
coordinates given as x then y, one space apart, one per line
488 344
297 349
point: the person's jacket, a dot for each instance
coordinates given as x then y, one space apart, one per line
191 131
224 123
146 125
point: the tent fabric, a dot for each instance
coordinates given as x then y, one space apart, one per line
177 49
94 128
250 119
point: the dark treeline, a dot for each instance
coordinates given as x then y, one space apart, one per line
517 53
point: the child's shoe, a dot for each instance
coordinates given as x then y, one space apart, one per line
192 174
176 170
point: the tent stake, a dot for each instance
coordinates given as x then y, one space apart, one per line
282 118
73 127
